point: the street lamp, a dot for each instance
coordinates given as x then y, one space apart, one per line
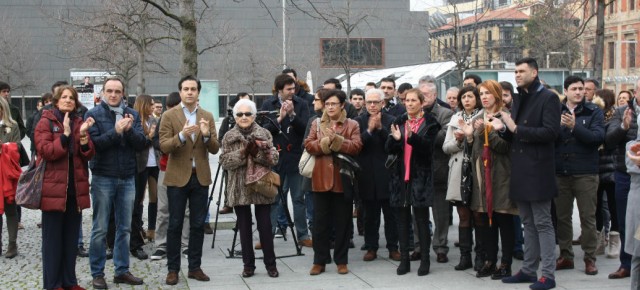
554 53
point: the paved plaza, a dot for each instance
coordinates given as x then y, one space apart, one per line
25 271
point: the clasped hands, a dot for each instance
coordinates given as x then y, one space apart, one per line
203 127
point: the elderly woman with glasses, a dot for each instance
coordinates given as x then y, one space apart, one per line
335 135
249 147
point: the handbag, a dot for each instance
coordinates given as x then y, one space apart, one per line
29 190
466 182
267 185
308 161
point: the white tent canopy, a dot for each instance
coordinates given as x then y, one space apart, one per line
404 74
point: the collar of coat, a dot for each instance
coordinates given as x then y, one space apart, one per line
325 122
234 135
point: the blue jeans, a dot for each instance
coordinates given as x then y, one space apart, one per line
105 193
196 195
623 185
291 182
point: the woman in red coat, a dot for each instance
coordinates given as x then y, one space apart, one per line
62 141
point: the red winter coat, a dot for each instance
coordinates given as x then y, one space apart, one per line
56 174
9 173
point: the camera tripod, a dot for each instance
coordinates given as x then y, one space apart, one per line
232 253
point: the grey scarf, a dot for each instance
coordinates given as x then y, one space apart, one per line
119 110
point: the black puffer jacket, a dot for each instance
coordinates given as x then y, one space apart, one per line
616 138
607 162
418 192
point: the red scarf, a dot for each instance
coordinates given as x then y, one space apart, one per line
412 125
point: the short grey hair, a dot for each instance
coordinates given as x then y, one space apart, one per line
453 89
378 92
245 102
427 79
431 87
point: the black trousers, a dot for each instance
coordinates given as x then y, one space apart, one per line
60 246
263 219
331 207
501 224
371 211
610 189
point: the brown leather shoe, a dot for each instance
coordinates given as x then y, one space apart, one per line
564 263
342 269
198 275
248 272
316 269
172 278
100 283
394 255
226 210
621 273
442 258
415 256
127 278
306 243
258 246
590 267
370 256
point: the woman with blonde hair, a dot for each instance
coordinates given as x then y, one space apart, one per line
493 209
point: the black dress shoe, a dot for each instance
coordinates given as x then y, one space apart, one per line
503 271
140 254
127 278
99 283
442 258
273 272
487 269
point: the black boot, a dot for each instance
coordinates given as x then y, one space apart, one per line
422 223
404 214
465 249
487 269
479 248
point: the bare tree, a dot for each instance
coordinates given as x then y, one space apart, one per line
554 30
120 35
346 20
463 32
188 22
18 59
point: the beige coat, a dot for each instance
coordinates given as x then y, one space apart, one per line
234 160
181 155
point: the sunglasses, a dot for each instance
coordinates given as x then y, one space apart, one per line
246 114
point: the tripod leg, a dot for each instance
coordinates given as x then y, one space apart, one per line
232 251
223 181
290 221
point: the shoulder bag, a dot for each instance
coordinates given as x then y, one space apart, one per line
308 161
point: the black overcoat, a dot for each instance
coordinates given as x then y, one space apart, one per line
374 177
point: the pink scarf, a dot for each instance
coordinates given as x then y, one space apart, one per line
412 125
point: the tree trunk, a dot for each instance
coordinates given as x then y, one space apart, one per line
140 83
189 53
599 50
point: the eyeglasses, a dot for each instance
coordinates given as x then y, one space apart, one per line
246 114
372 102
330 104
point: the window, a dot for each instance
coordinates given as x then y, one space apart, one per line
363 52
611 48
632 4
631 51
489 35
612 7
476 40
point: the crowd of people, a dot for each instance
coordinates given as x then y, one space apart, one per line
402 152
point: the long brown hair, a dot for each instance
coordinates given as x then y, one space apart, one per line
143 107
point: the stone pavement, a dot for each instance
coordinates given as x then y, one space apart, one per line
25 271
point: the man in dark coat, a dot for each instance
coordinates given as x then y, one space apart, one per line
388 86
440 206
287 130
532 130
582 132
374 184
